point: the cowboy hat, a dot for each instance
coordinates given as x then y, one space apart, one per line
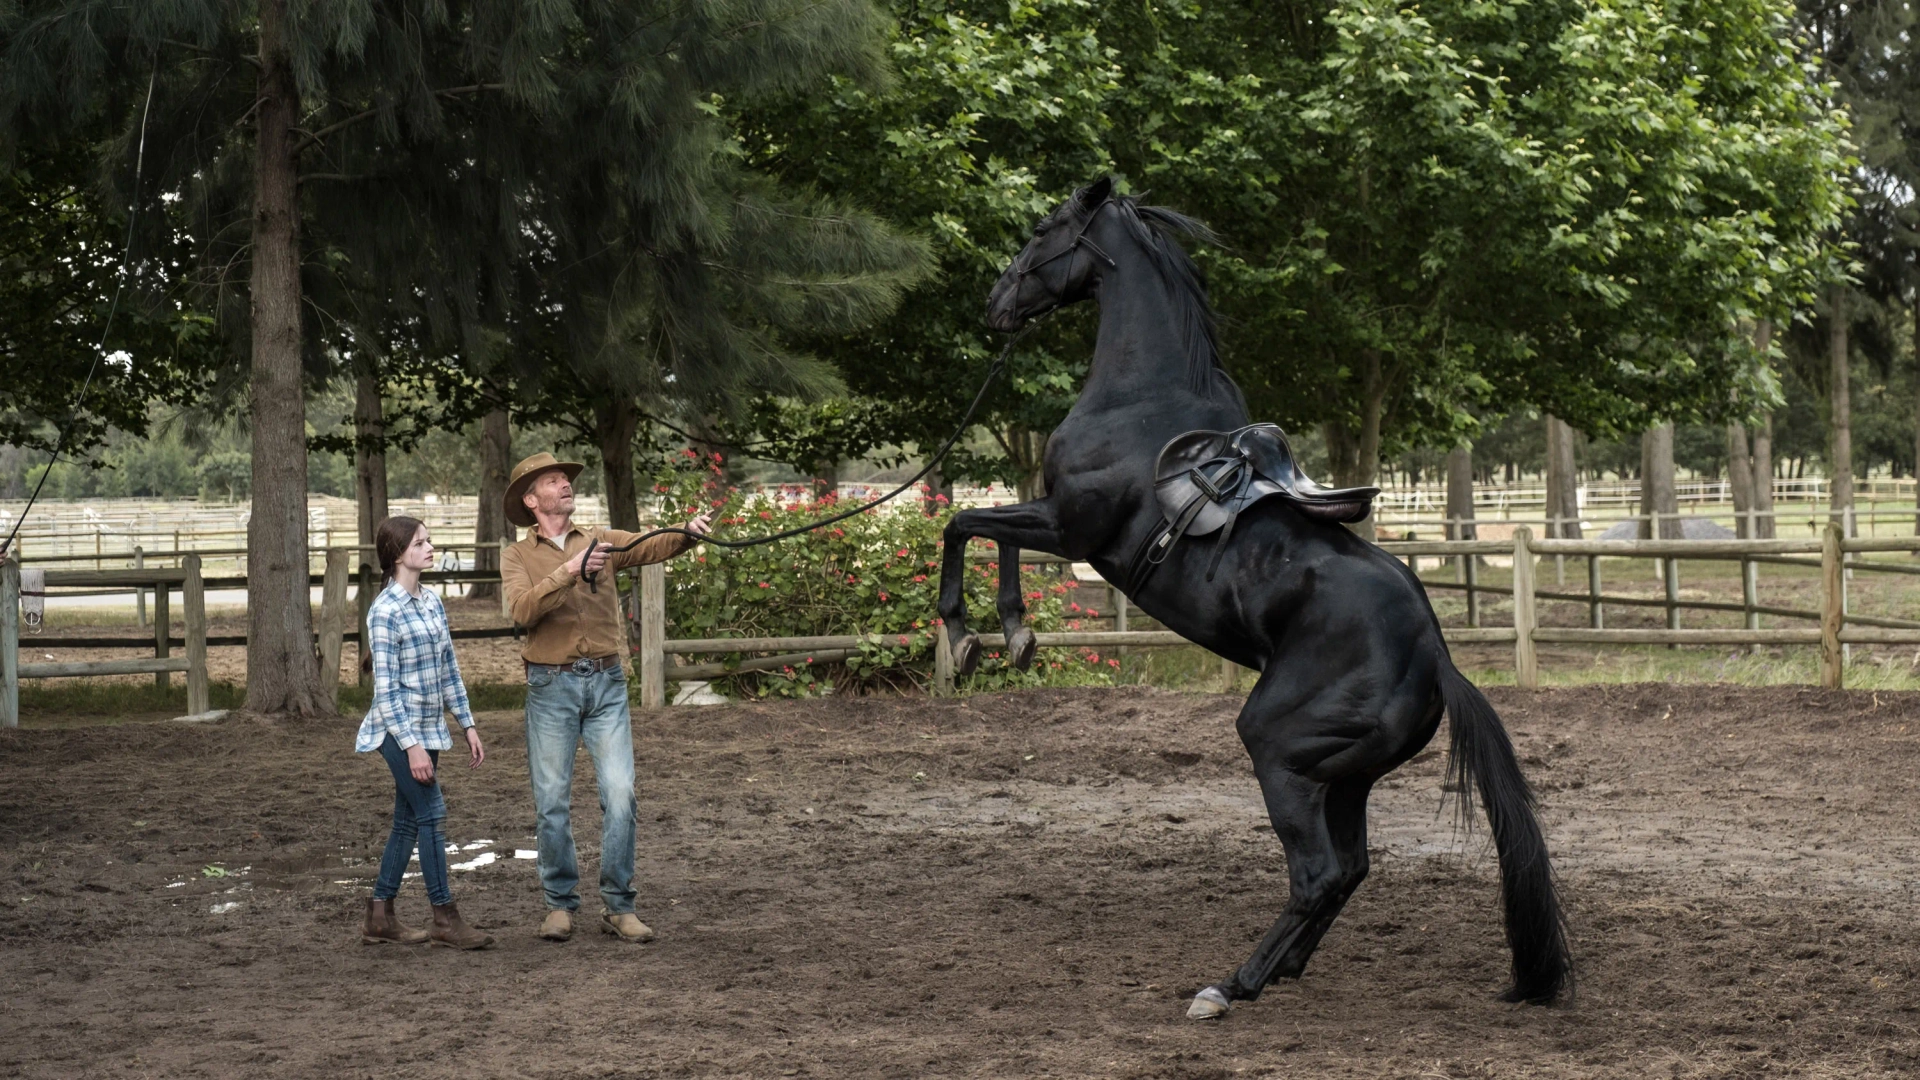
523 477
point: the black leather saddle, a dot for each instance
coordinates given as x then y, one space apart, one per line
1205 479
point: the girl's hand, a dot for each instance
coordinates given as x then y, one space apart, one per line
420 764
475 752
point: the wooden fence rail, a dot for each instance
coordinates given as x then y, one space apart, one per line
1836 628
162 664
1835 631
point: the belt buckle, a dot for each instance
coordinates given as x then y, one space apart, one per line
583 666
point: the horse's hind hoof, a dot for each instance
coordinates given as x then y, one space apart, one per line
966 655
1208 1004
1020 646
1514 995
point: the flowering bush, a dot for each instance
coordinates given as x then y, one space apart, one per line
878 572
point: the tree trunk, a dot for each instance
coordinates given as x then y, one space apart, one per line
616 421
283 672
1657 496
490 523
1028 452
1354 457
1916 417
938 486
369 456
1762 469
826 476
1740 479
1763 524
1563 496
1460 492
1840 398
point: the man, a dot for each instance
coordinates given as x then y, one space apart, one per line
576 688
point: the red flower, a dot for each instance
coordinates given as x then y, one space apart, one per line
901 554
918 578
883 599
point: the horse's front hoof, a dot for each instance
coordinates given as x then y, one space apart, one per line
1020 646
1209 1004
966 655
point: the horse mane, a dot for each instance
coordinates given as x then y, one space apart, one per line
1159 230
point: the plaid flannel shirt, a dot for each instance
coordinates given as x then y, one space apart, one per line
416 679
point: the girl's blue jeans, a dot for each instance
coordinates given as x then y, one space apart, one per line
418 810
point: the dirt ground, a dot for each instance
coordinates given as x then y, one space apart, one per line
1014 885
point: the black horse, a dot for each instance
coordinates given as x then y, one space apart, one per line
1354 674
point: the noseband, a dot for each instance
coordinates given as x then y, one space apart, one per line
1080 238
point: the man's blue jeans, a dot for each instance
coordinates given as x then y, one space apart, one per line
564 710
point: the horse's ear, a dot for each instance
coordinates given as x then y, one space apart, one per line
1096 193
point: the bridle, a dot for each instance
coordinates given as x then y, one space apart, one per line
1079 238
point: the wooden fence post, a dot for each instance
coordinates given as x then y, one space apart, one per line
363 601
1596 611
1470 567
1670 578
139 592
162 630
193 598
653 635
1832 614
1526 666
333 620
9 643
1750 592
943 661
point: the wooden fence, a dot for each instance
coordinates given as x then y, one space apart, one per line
162 581
1834 629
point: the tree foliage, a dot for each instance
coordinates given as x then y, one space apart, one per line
1575 204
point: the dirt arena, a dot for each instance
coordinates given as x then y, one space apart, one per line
1015 885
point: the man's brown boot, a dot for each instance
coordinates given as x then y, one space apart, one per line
626 926
450 929
557 926
380 927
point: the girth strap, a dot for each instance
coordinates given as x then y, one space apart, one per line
1219 481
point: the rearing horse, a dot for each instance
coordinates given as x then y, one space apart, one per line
1354 674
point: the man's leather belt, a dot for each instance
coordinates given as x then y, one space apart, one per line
582 666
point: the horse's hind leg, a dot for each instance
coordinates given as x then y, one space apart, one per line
1322 827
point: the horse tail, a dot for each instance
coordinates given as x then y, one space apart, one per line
1480 751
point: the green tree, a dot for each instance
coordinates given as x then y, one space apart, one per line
1574 206
995 111
62 279
282 127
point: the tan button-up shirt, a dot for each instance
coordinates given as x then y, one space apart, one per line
564 619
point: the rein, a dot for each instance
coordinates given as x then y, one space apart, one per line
966 421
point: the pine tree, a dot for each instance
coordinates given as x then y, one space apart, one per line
355 177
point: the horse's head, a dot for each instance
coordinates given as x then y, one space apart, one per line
1059 266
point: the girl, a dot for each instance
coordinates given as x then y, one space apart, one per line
415 682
